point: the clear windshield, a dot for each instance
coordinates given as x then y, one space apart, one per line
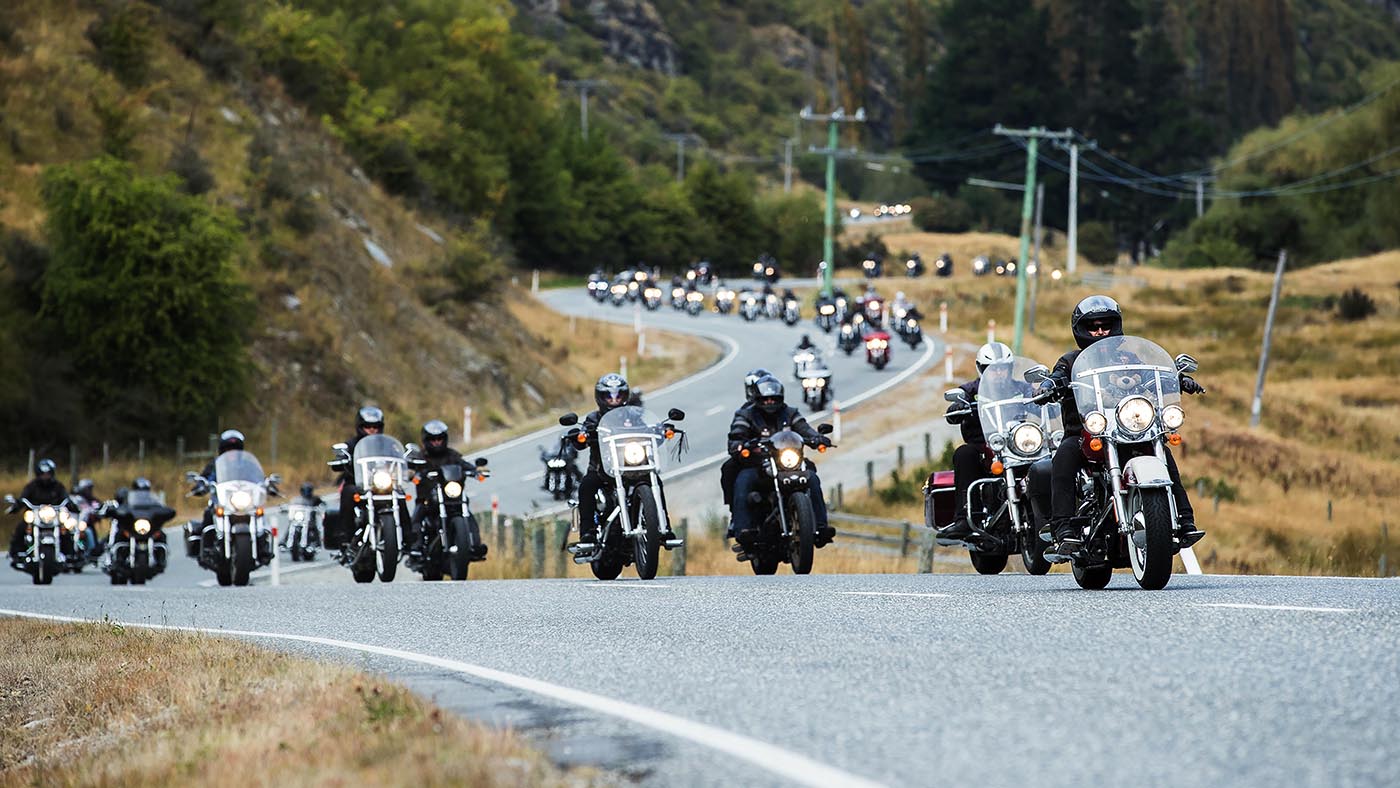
375 453
1116 368
630 437
1003 398
238 466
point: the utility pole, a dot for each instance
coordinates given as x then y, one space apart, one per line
1027 206
1035 283
787 165
681 140
584 85
1073 227
1268 334
835 117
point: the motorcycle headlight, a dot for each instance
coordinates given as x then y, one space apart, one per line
240 500
29 515
634 453
68 520
47 513
555 463
677 292
1173 416
143 526
790 458
1028 439
808 383
1135 414
298 516
828 309
653 293
1095 423
695 297
452 489
997 442
912 323
382 481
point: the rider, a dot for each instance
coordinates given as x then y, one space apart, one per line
611 391
766 415
44 488
157 511
369 420
971 460
89 503
729 471
229 440
438 455
1096 317
312 501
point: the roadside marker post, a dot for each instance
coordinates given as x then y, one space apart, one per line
535 281
276 559
622 366
641 344
836 422
948 365
466 425
943 317
991 331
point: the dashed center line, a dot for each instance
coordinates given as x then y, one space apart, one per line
1298 608
714 410
892 593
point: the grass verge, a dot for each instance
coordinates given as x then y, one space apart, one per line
100 704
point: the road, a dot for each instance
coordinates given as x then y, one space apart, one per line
851 680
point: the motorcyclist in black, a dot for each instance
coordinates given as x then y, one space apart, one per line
611 391
438 455
312 501
729 471
122 511
970 460
1096 317
369 420
805 343
44 488
766 415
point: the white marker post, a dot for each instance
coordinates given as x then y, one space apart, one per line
836 422
637 318
466 425
276 559
991 331
622 366
641 344
535 281
943 317
948 365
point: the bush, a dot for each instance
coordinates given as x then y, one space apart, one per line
475 263
1097 243
1355 305
302 214
123 38
793 226
872 246
941 214
1209 252
192 169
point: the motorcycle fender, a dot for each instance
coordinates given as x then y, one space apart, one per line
243 528
1146 472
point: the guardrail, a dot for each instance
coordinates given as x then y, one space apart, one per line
886 536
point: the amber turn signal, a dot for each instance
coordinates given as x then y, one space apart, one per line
743 452
1174 439
997 468
1095 444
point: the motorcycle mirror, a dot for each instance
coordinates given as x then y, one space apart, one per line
675 414
275 478
1186 365
1036 373
411 449
955 395
480 462
825 429
10 499
568 419
191 476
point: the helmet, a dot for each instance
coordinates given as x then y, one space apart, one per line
611 392
141 483
768 394
899 295
307 489
1098 311
230 440
990 354
435 437
369 416
750 379
84 488
46 465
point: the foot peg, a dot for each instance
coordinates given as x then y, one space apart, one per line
671 544
1187 538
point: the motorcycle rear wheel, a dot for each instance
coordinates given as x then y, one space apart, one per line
1092 578
242 558
1033 554
804 527
986 563
387 559
646 546
1152 564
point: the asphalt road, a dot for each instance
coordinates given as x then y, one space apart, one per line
848 680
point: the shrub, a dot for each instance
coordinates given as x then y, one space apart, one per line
302 215
1355 305
192 169
1097 242
475 263
941 214
122 35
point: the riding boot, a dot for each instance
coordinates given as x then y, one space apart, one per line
1068 540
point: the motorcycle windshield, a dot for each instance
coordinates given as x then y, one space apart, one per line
238 466
143 499
1003 399
375 453
1117 368
452 473
630 439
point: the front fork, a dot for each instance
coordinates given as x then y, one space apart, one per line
1121 508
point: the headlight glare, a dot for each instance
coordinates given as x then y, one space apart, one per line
240 500
453 489
47 513
1135 414
382 481
789 458
143 526
634 453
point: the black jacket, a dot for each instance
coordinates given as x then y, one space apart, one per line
41 491
968 421
750 423
1061 374
595 453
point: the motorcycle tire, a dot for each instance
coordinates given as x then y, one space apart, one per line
804 527
459 562
646 547
140 568
118 579
387 559
224 574
1092 578
764 564
606 568
1152 565
363 574
1033 555
987 564
879 365
242 558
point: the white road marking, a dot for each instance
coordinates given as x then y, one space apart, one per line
1276 607
714 410
610 584
891 593
532 476
265 572
784 763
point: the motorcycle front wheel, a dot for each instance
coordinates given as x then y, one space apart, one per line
1150 547
646 545
140 568
242 558
803 524
460 561
987 564
606 567
387 558
1092 578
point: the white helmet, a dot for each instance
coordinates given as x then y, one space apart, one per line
899 296
990 354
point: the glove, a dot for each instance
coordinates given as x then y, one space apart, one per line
1190 386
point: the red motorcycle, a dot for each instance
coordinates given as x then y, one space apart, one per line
877 349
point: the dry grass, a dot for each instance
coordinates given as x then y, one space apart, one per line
99 704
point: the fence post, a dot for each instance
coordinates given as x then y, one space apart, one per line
899 457
838 495
926 554
517 536
870 476
678 554
537 565
272 442
1385 550
180 450
106 455
904 544
928 447
561 558
1329 510
73 464
29 472
141 455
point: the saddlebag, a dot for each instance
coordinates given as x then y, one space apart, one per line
940 505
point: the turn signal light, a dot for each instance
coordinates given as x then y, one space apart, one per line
219 511
1174 439
1095 444
258 511
997 468
407 497
821 450
582 438
358 498
670 434
744 453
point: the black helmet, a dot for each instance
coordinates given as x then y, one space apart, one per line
435 437
230 440
768 394
46 465
611 392
141 483
307 489
369 416
1095 313
750 379
84 488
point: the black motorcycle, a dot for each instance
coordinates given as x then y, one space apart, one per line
914 266
43 526
379 518
943 266
136 545
786 519
451 539
561 473
849 336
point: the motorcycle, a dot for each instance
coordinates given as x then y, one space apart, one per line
980 265
872 267
772 306
1019 432
303 530
238 539
766 270
943 266
792 310
877 349
677 297
816 386
694 303
597 287
724 300
913 333
803 357
843 307
748 306
79 543
786 518
826 315
380 514
631 513
914 267
137 549
873 309
848 338
561 475
43 555
651 298
451 539
1129 392
618 293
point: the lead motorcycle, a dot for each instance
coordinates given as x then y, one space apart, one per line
136 546
380 514
631 513
451 539
238 538
1019 432
42 557
1129 392
786 518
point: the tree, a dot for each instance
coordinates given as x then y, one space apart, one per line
143 289
730 232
